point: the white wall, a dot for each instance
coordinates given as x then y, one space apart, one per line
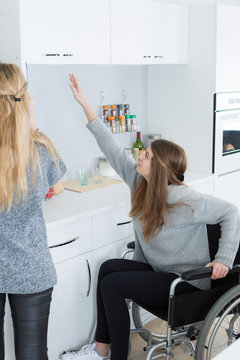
62 119
180 102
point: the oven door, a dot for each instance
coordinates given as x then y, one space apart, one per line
226 157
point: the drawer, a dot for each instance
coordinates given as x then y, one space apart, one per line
74 238
111 226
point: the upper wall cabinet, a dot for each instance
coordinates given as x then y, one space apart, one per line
93 32
59 31
148 32
228 49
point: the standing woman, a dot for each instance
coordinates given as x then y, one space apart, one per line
29 165
169 222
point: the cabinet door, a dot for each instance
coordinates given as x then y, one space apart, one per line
227 187
58 32
112 251
228 50
148 32
71 315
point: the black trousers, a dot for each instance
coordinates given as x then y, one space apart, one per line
30 315
119 279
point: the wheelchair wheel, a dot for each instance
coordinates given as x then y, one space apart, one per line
221 327
140 320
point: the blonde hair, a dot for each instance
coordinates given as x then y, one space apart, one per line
18 141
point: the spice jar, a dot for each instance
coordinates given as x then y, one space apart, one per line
112 122
122 123
119 109
133 122
105 113
126 109
113 110
128 123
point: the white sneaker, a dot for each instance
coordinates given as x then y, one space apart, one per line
87 352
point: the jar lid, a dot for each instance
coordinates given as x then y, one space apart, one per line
105 107
112 106
111 117
121 117
127 116
132 116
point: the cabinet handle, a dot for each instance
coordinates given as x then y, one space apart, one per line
65 243
90 278
124 223
57 54
153 56
51 54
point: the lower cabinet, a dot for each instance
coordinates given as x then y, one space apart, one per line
71 315
227 187
77 259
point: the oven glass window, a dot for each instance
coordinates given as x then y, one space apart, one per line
231 137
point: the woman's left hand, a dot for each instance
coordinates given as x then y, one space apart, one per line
219 270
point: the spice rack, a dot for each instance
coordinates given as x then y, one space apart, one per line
117 116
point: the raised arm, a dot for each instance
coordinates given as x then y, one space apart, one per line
116 155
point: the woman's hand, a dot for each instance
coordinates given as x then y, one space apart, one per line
79 96
219 270
77 90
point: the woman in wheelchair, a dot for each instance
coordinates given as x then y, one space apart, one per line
169 220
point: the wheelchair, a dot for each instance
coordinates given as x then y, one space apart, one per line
211 317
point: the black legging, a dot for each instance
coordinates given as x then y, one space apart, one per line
30 321
121 279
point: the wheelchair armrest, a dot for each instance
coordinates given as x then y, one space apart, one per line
202 273
131 245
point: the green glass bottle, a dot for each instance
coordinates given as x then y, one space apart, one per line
137 146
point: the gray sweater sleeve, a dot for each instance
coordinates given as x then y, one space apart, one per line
123 164
212 210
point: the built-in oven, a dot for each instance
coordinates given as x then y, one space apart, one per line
226 133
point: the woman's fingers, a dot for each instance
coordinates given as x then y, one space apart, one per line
74 82
219 270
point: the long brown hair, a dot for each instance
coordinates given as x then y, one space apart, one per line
149 200
17 139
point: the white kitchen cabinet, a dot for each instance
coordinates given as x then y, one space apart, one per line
111 226
227 187
71 315
148 32
56 31
93 32
227 48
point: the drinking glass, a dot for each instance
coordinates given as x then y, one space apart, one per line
96 175
83 176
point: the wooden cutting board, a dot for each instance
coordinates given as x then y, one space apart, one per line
74 185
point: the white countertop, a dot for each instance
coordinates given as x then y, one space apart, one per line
69 205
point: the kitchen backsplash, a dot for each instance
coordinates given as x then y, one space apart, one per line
62 119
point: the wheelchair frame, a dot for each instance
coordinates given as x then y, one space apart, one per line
184 335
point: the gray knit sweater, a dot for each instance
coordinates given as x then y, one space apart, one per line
182 243
26 265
